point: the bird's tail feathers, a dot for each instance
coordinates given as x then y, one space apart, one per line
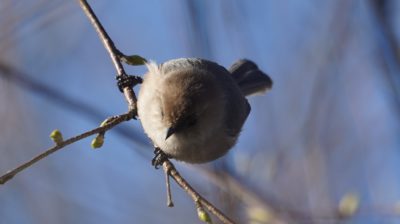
250 78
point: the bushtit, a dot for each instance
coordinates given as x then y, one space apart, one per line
194 109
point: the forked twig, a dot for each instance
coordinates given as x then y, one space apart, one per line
196 197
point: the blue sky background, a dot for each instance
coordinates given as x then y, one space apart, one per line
329 127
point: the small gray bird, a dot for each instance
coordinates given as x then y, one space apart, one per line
194 109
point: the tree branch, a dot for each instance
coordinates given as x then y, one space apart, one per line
113 121
113 52
131 99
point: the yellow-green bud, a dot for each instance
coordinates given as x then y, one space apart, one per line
203 215
349 204
134 60
98 141
259 215
56 136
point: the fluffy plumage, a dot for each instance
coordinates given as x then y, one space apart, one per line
193 109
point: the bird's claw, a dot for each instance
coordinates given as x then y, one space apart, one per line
159 158
127 81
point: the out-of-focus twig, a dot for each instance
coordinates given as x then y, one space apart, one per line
389 48
56 96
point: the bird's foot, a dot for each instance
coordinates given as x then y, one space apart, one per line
127 81
159 158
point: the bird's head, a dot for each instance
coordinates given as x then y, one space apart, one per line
188 101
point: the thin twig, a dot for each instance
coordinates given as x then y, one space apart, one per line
168 185
112 51
116 120
196 197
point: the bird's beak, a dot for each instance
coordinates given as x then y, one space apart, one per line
170 132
